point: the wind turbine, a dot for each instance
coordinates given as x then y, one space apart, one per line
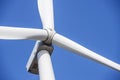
39 61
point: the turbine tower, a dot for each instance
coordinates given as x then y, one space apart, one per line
40 60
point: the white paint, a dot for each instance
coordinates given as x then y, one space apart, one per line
77 48
13 33
46 13
45 66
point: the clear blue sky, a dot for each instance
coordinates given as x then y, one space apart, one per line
94 24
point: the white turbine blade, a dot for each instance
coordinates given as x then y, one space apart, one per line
12 33
76 48
46 12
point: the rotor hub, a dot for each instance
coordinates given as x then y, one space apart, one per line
51 34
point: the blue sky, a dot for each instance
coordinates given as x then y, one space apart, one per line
94 24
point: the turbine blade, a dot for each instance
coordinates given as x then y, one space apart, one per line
80 50
12 33
46 12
